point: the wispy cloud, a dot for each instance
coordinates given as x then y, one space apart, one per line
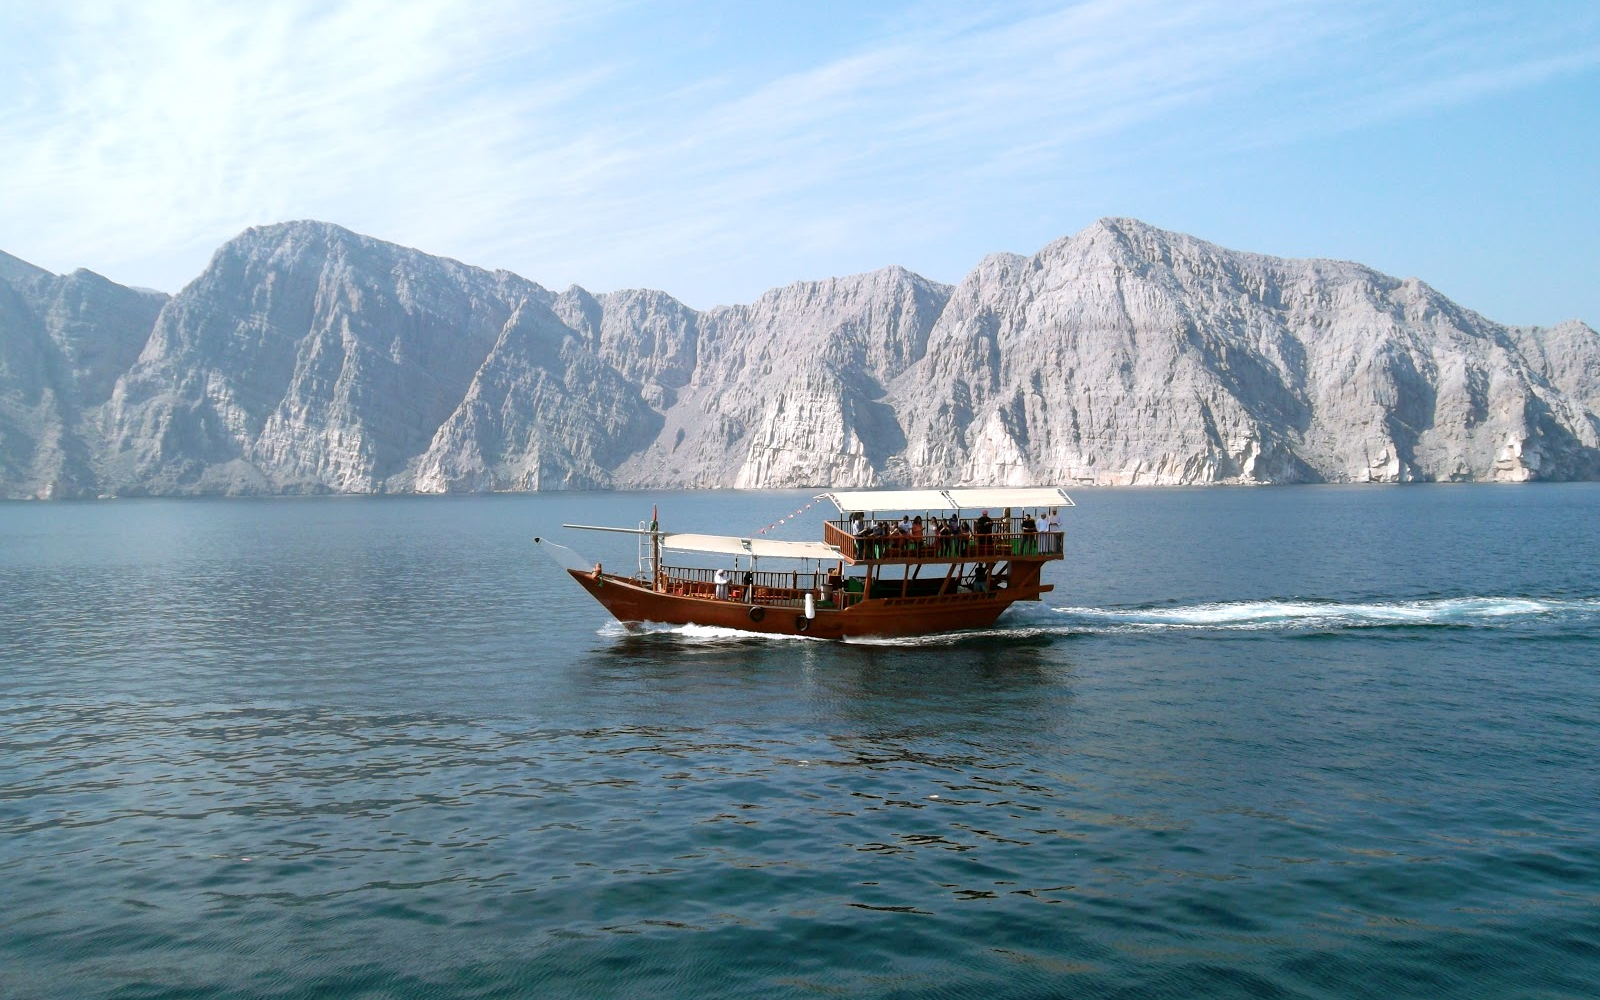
150 127
622 144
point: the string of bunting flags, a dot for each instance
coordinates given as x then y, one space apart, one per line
785 518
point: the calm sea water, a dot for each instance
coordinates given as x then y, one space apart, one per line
1306 742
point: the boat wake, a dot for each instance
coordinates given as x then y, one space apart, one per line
1305 616
1045 624
697 633
715 635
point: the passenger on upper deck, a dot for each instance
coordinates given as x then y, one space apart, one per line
878 539
1030 533
899 536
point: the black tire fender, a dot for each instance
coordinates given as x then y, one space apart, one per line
757 612
801 623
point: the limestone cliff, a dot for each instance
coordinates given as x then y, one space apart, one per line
788 391
64 341
307 358
1126 354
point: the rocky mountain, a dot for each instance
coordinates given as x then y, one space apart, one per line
64 342
307 358
789 390
1126 354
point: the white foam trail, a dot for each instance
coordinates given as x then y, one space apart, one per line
950 638
1283 616
1300 615
694 633
716 633
710 634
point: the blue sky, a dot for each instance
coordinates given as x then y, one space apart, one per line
715 150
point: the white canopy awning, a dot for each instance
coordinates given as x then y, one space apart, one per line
760 548
1011 496
888 500
963 498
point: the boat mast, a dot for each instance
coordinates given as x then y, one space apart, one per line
658 580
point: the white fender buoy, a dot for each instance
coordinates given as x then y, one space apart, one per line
811 605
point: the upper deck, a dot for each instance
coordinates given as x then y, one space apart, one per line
861 537
1006 541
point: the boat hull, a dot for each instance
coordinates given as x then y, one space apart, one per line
628 601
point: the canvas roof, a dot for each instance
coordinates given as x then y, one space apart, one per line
960 498
760 548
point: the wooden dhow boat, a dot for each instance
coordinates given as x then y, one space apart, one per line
893 563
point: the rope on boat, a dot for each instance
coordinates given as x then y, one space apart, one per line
786 518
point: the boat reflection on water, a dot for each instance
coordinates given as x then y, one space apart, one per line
863 688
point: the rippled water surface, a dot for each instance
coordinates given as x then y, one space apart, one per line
1311 742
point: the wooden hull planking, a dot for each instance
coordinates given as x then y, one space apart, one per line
629 601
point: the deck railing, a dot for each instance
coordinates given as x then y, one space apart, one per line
770 589
789 589
999 544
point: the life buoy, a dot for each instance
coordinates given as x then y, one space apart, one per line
757 612
801 623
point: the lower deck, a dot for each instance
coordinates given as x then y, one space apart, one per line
907 600
835 589
630 601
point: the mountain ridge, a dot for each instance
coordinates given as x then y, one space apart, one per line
310 358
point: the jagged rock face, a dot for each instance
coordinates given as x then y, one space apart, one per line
1567 356
1130 355
788 390
64 341
651 338
308 358
541 413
